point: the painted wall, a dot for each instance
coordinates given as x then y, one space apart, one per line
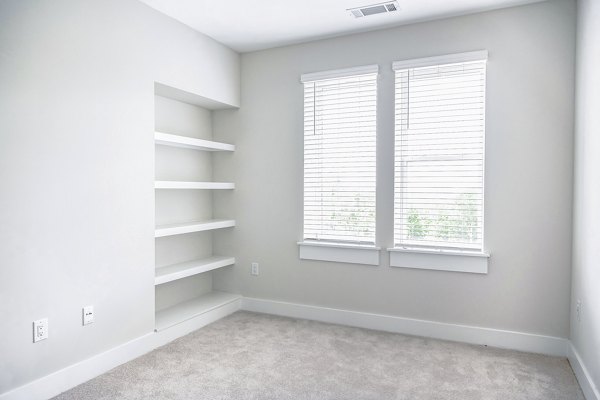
76 166
585 329
528 175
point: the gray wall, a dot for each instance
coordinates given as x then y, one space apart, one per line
77 169
585 331
528 174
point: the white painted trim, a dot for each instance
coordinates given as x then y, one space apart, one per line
78 373
339 245
459 333
71 376
589 388
167 139
174 93
446 260
339 73
339 252
172 272
193 185
480 55
199 226
189 310
467 253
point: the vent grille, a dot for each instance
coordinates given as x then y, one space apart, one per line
373 9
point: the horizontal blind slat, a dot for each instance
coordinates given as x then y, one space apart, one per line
439 152
340 158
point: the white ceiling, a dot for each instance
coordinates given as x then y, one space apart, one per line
248 25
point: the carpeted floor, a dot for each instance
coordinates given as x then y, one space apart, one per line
256 356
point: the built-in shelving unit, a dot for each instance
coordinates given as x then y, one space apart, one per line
167 139
193 185
176 281
170 273
190 227
192 308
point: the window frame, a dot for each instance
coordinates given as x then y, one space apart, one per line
444 258
440 259
357 252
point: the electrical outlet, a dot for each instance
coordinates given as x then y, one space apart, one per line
578 309
254 270
40 330
88 315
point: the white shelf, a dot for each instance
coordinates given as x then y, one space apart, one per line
178 229
187 310
173 272
167 139
193 185
186 96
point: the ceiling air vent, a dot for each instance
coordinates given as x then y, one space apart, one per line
373 9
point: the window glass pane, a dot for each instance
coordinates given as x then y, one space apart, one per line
439 156
339 158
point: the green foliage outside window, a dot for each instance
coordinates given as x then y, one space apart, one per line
457 225
356 218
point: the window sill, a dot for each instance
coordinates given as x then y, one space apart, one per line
339 252
441 260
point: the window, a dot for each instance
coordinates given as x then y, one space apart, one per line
439 152
439 136
340 155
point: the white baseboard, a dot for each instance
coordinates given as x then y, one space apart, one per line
69 377
585 380
459 333
78 373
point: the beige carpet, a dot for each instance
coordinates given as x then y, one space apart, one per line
255 356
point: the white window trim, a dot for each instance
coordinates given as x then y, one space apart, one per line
434 258
330 250
439 259
339 73
478 55
339 252
453 260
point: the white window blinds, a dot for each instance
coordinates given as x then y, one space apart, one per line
340 155
439 152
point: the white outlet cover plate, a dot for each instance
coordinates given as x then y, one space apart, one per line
40 330
88 315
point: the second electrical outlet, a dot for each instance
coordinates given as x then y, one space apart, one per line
254 270
88 315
